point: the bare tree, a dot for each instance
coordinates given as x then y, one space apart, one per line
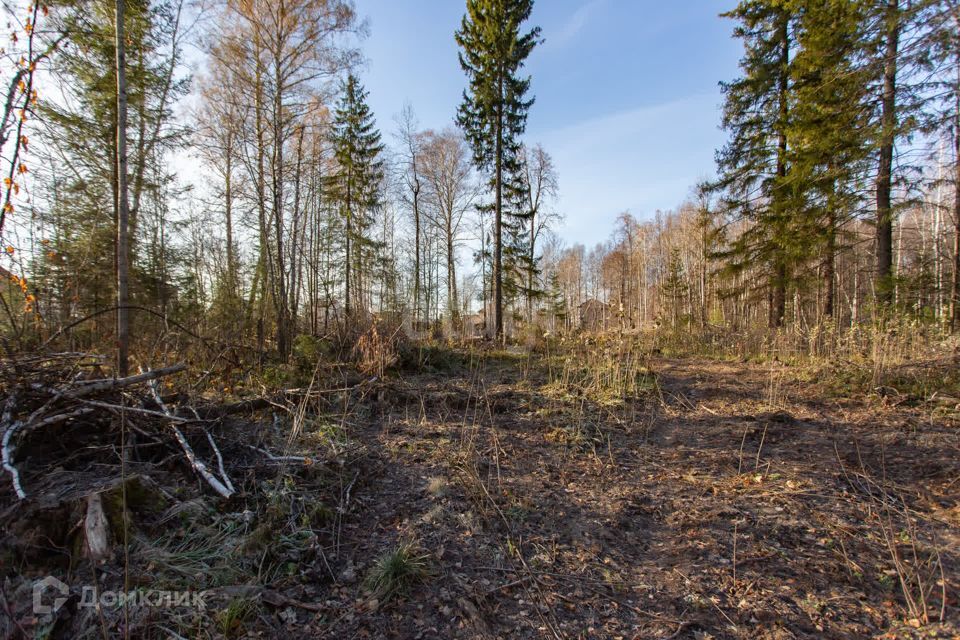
541 187
411 142
283 55
452 192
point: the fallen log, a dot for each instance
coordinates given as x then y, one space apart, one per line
82 390
265 402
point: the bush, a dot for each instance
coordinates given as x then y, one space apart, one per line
378 349
307 350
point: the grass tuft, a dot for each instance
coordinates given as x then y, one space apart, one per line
394 572
232 620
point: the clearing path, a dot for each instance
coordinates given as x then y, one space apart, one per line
730 500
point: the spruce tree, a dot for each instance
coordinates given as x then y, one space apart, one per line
753 165
494 109
356 183
674 287
557 300
829 127
82 192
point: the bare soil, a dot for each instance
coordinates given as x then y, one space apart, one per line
736 501
731 500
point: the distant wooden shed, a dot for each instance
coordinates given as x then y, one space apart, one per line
594 315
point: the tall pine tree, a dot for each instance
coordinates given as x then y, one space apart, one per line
356 184
493 113
829 128
753 165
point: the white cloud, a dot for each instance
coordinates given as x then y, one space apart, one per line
639 159
567 33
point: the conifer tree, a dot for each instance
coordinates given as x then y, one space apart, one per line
494 109
753 165
674 286
829 127
891 21
84 195
557 301
356 184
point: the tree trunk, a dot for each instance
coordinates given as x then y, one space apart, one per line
346 283
123 213
888 121
228 215
531 266
778 306
830 266
955 286
281 298
498 232
452 279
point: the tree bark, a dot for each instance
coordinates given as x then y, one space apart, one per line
346 297
498 225
123 212
228 215
778 306
282 304
955 285
888 120
830 266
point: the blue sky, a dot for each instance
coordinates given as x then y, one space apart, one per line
627 101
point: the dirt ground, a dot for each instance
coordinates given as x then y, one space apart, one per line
726 500
736 500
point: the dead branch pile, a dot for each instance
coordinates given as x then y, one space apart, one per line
61 400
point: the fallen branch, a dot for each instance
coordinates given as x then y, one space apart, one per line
199 466
195 462
30 425
119 383
10 427
273 400
273 458
146 412
223 472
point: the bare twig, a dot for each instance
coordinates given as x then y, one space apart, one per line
223 472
